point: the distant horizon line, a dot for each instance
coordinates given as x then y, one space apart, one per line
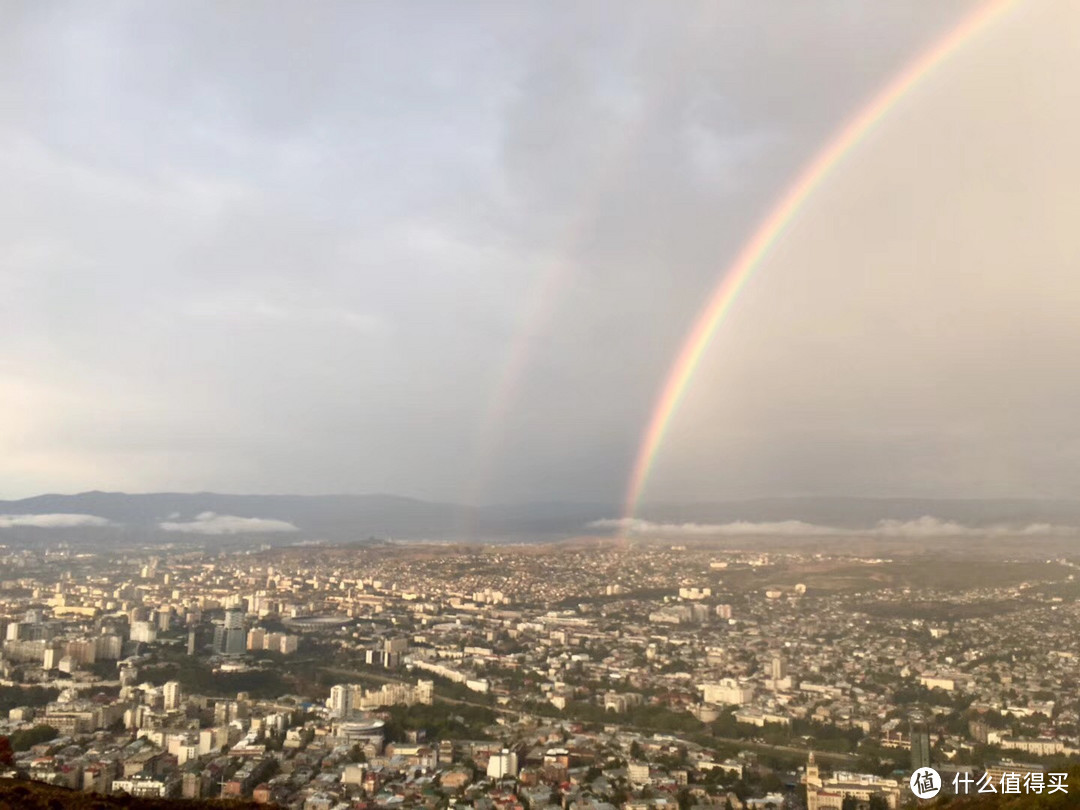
614 501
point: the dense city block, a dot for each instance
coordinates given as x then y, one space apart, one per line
585 675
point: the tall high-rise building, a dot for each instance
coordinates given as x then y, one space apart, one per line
51 658
82 651
920 743
340 700
979 730
219 638
778 669
425 692
172 694
230 638
235 642
108 647
256 639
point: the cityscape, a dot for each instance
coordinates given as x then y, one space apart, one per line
539 405
585 675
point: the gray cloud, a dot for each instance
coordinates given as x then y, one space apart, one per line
271 249
211 523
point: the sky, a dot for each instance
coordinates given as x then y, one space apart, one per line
451 250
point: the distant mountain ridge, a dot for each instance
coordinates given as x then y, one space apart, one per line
332 517
358 517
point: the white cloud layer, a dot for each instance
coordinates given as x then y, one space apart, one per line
53 521
925 526
211 523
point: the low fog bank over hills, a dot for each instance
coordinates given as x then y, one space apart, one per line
287 518
121 518
856 513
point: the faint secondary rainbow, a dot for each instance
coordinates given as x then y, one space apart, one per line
557 276
773 227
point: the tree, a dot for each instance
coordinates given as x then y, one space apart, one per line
23 740
7 756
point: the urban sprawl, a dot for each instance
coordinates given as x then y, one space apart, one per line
597 675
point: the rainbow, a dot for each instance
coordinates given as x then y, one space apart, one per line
772 228
554 281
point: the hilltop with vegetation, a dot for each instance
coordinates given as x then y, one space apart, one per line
1029 801
20 795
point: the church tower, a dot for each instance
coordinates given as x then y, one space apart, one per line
813 783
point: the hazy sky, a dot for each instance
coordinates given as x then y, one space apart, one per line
450 249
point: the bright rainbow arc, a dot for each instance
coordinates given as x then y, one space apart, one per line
773 227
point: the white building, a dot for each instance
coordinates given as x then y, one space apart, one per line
638 773
695 593
727 691
778 667
829 794
144 632
142 787
938 682
51 658
425 692
1040 746
353 774
172 695
211 740
340 702
502 764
